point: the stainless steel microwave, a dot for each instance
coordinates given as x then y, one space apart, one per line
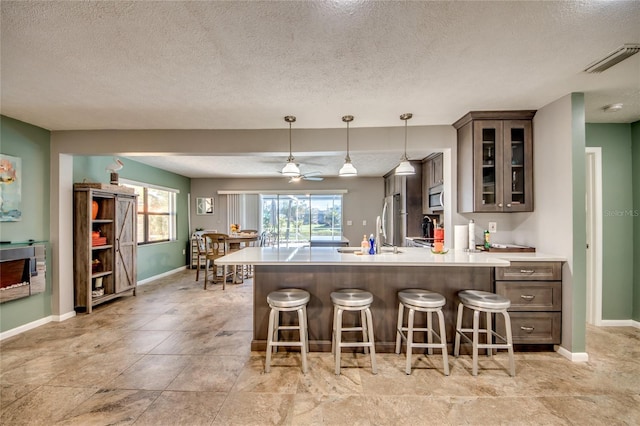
436 198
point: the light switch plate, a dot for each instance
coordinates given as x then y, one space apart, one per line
364 223
349 223
493 227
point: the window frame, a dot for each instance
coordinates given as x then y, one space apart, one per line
172 213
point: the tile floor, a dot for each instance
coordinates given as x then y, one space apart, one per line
179 355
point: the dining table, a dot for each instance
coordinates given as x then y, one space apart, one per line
238 241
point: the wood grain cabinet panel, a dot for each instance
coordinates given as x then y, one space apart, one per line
495 161
104 245
535 292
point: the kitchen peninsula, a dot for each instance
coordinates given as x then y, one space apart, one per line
321 270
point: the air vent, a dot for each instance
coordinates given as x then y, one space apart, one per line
618 55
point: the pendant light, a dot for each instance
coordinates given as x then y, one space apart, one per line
290 169
405 168
348 169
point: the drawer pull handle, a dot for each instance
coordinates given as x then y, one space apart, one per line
527 271
527 296
527 329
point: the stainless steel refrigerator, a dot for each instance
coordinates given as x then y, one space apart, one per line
392 221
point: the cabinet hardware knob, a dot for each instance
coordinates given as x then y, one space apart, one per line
509 205
527 296
527 329
499 204
527 271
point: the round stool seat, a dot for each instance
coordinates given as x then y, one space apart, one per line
352 298
421 298
483 299
288 298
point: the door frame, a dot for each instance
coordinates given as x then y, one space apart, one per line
593 205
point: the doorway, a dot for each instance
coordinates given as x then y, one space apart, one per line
593 201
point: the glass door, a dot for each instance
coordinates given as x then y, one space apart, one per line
488 158
293 219
518 186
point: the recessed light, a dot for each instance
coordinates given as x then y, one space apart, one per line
612 108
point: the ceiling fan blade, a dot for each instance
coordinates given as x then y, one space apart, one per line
312 174
313 178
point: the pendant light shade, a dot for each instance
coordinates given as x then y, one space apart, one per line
405 168
348 169
290 169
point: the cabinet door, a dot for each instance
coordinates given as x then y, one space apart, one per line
437 170
488 161
125 243
518 166
426 184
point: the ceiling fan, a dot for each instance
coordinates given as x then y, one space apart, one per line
306 176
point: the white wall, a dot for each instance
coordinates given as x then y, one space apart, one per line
550 227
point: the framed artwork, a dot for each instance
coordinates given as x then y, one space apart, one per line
10 188
204 205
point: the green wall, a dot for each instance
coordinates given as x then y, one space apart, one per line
635 148
153 259
31 144
617 218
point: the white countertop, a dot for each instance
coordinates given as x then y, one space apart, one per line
407 256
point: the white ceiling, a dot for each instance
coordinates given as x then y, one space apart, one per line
244 65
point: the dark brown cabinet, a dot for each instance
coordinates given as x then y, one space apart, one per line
432 176
104 245
495 161
535 292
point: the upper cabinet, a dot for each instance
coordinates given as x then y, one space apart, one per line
432 181
495 161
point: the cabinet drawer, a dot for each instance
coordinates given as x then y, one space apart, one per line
532 296
533 327
530 271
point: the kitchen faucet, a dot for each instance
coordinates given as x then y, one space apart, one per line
379 231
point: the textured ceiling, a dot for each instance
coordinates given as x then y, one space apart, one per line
244 65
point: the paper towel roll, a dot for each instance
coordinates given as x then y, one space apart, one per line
461 237
472 235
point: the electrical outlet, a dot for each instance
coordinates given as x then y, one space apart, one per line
184 251
364 223
493 227
349 223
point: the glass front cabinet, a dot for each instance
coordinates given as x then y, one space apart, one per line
495 161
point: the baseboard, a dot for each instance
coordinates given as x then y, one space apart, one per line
164 274
619 323
36 324
25 327
63 317
572 356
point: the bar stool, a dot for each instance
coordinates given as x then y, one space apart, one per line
353 300
287 300
490 303
429 302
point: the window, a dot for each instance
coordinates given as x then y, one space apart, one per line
293 219
156 212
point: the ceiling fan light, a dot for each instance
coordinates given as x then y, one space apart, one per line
405 168
348 169
290 169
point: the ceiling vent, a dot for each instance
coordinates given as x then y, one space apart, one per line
618 55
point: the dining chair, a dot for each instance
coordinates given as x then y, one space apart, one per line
215 246
201 253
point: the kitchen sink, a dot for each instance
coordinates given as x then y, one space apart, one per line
384 250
